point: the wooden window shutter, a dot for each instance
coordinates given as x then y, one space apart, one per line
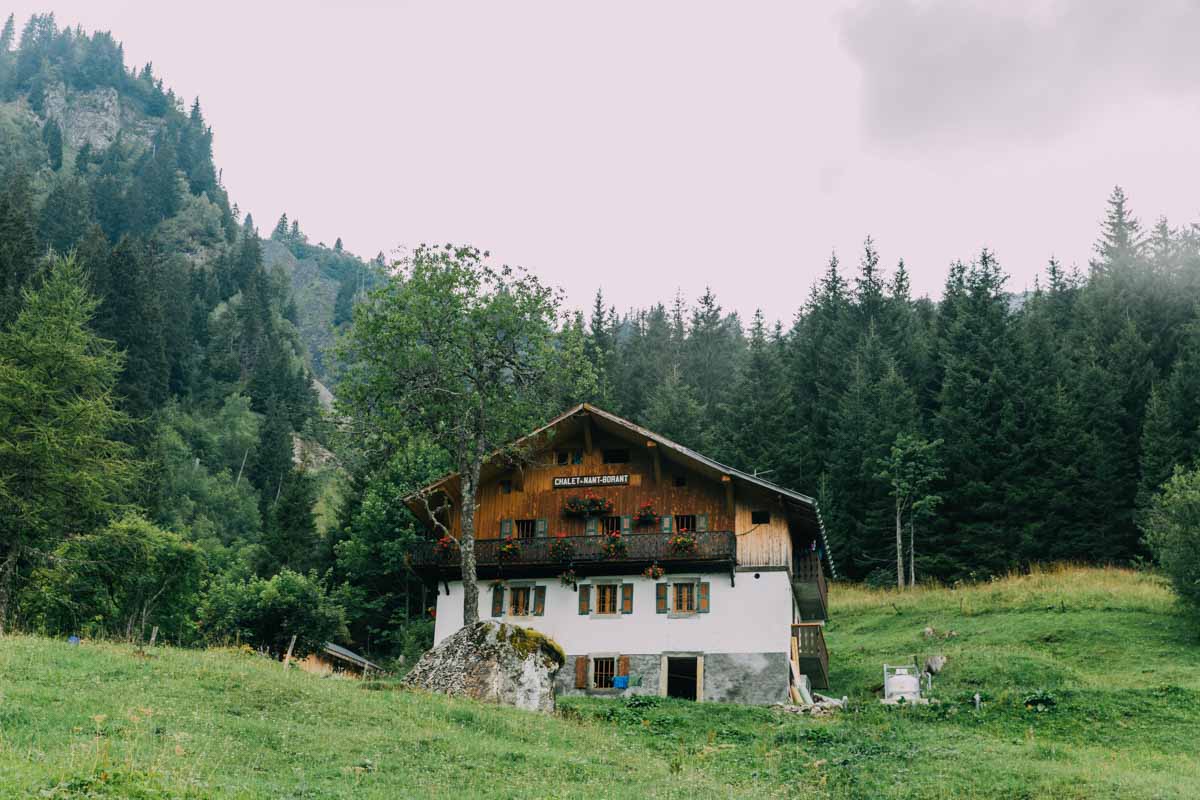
623 666
667 521
581 670
585 599
505 527
702 598
497 601
701 523
539 601
626 598
627 523
591 526
660 598
541 527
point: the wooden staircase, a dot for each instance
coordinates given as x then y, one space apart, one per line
809 588
812 657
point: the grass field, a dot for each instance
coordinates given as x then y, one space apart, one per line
1112 663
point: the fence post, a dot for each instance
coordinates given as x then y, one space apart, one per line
287 659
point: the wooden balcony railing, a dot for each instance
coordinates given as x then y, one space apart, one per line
814 657
552 555
808 582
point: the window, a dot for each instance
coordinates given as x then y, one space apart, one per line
760 517
505 487
685 598
681 480
526 528
616 456
519 605
685 522
606 598
603 670
560 458
610 524
564 457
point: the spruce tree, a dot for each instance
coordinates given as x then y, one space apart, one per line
53 139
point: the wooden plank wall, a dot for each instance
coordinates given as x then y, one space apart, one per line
533 495
767 545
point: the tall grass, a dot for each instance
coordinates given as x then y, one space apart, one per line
1041 586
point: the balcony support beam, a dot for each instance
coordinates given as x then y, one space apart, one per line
653 446
587 434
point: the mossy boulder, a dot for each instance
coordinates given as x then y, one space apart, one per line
493 662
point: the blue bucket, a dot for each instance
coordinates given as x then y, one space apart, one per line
621 682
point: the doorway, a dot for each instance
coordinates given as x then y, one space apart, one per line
682 677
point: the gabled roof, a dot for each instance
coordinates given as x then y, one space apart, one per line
802 502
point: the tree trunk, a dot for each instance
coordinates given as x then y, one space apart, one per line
466 542
912 553
899 545
7 572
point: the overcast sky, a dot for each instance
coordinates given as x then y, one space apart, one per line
644 147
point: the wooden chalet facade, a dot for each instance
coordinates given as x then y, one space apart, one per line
658 570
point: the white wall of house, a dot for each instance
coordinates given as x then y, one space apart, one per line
754 616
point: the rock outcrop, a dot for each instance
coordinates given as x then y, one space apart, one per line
493 662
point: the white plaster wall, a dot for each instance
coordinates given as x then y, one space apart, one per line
754 616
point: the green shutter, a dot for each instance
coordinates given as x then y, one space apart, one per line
702 598
497 601
592 526
505 527
660 598
539 601
585 599
626 598
667 521
627 523
541 527
701 523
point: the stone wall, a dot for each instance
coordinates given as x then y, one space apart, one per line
747 678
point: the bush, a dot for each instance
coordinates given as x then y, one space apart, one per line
119 581
267 612
1172 528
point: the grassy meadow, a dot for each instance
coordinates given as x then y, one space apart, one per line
1090 680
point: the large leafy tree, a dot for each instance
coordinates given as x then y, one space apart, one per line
62 470
464 353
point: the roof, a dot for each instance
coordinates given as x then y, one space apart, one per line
338 651
686 453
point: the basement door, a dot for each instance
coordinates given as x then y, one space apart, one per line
682 676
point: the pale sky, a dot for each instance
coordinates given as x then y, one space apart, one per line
644 147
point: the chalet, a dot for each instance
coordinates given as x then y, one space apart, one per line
658 570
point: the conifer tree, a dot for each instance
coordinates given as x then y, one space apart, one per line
58 426
18 245
53 139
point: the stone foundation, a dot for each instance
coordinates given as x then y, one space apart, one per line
747 678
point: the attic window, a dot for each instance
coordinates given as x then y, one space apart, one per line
760 517
506 487
681 480
616 456
564 457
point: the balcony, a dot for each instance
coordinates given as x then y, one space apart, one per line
715 550
809 587
812 654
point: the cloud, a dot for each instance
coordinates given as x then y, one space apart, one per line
939 72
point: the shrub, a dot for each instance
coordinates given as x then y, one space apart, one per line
118 581
1172 528
267 612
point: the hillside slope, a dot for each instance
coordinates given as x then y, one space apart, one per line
1115 668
